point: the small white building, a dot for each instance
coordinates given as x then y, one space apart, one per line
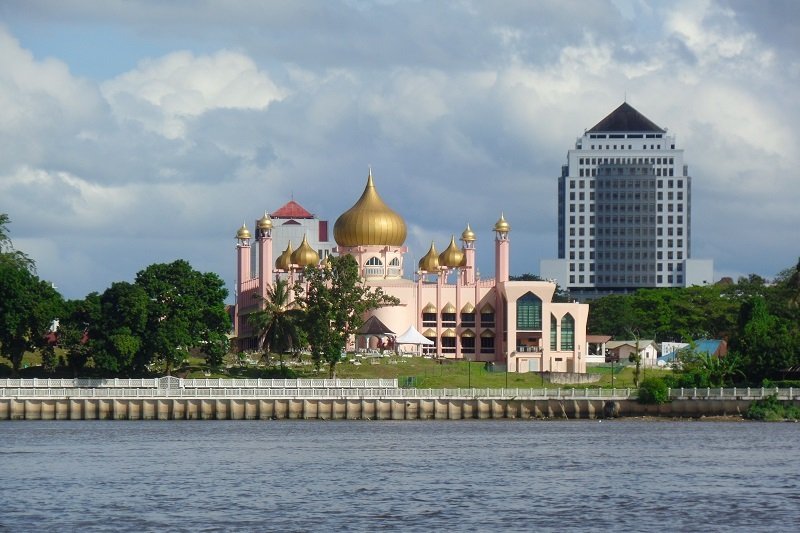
624 349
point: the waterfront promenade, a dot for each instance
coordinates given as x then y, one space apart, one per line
171 398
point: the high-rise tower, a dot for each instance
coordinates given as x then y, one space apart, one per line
624 211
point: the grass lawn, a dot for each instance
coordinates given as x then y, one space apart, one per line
417 372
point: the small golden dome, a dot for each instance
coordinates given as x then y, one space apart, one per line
305 254
449 308
468 308
502 226
369 222
468 235
430 333
284 261
452 256
264 222
243 234
468 333
429 309
449 332
430 261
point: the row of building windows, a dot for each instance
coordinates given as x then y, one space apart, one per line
449 319
631 207
626 136
623 183
622 147
629 243
626 161
627 279
592 172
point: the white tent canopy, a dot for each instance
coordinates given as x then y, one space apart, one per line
412 336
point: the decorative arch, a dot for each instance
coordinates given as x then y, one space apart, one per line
374 261
553 332
394 262
529 312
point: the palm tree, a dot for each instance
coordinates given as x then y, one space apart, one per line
276 321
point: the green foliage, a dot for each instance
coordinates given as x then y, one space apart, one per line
186 309
761 321
771 409
28 306
768 343
701 369
8 254
334 300
653 391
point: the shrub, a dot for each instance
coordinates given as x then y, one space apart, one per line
770 409
653 391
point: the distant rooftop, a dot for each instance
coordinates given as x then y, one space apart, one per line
291 210
626 118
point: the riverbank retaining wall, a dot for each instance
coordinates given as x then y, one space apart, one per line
356 408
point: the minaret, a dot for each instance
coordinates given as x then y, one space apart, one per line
501 253
468 238
264 236
501 267
243 269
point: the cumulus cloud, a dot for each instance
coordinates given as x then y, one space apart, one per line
463 109
163 92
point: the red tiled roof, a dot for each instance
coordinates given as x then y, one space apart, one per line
291 210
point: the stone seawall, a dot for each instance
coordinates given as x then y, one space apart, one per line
355 409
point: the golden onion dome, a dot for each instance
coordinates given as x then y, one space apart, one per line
264 222
243 233
452 256
369 222
305 254
468 235
430 261
284 261
502 225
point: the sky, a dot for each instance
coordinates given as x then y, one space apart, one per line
140 132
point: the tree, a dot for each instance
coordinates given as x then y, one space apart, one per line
335 299
7 252
186 310
277 321
117 333
74 334
767 343
28 307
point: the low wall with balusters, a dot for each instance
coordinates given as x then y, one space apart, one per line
175 399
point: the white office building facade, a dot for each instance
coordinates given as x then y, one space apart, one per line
624 211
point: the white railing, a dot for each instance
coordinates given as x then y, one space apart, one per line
362 389
744 393
316 393
173 382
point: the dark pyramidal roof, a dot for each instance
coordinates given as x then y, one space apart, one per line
373 326
626 118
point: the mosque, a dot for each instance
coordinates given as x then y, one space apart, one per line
461 315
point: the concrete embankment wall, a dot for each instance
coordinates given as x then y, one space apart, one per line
354 408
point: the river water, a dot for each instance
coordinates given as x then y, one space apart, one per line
467 475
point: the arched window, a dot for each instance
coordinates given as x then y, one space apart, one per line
394 262
374 261
567 332
553 333
529 312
